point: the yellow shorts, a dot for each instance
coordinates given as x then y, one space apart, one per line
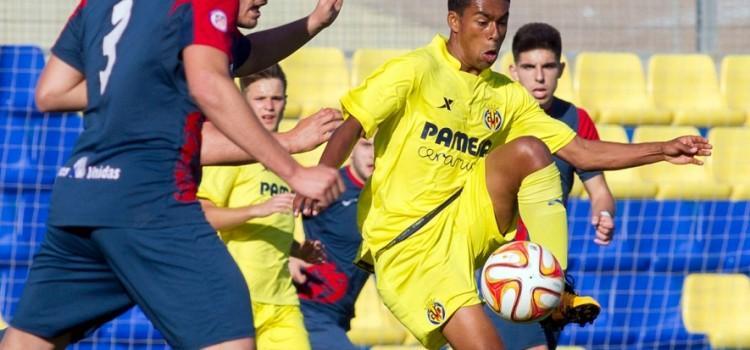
424 279
279 327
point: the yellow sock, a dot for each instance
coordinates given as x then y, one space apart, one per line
542 211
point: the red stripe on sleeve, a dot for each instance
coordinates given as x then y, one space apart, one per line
78 9
586 127
214 22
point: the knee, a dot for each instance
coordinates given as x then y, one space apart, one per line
532 151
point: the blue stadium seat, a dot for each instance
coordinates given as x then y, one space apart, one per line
20 67
34 146
22 225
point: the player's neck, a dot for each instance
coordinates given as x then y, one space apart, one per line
455 50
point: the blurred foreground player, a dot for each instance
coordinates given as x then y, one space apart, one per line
125 227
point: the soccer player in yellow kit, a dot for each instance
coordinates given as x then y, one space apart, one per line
251 207
460 151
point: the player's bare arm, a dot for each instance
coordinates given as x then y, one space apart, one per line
309 133
602 209
221 102
61 87
601 155
273 45
222 218
339 148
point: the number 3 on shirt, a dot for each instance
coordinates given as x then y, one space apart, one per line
120 19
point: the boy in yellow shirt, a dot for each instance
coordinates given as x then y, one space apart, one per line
460 153
251 207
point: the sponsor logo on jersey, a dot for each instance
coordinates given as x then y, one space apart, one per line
435 312
81 170
456 140
272 188
446 103
219 20
492 119
79 167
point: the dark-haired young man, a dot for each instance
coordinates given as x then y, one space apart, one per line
460 151
537 48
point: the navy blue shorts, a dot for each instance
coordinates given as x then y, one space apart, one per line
517 336
182 277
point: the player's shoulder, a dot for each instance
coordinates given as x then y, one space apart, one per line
415 61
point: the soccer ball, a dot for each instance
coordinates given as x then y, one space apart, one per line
522 282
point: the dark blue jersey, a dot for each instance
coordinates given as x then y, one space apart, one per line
137 163
333 286
578 120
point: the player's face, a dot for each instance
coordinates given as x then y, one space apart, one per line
249 12
538 71
363 158
480 31
267 100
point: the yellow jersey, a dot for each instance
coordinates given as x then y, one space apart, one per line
261 245
433 123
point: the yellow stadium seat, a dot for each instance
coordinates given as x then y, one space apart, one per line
612 87
626 183
564 85
373 324
717 305
687 85
729 162
678 181
365 61
316 77
735 83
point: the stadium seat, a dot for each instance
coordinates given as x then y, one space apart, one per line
20 66
678 182
729 162
612 87
373 323
626 183
718 304
735 83
365 61
687 85
564 85
316 77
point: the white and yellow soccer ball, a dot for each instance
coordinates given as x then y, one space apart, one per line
522 282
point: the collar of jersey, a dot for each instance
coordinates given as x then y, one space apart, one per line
439 45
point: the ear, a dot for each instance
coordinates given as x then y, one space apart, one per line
454 21
513 71
562 69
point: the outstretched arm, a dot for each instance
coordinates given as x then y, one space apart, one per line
601 155
60 88
309 133
602 209
221 102
273 45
